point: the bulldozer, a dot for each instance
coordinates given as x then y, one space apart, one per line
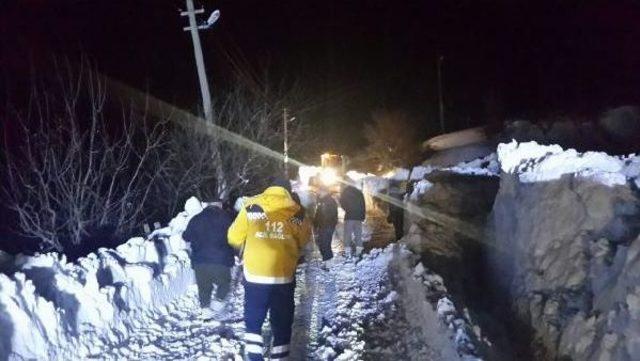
332 170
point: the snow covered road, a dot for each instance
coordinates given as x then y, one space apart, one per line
139 302
356 311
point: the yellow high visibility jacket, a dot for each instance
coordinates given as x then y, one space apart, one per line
273 229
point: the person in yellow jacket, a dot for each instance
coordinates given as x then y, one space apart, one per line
271 231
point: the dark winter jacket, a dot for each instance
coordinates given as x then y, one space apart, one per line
352 201
207 233
326 212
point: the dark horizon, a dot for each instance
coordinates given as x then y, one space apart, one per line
501 59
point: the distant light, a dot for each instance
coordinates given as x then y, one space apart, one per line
329 176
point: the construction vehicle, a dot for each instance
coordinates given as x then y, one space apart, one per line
331 171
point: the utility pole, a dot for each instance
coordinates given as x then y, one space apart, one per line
197 49
285 123
440 101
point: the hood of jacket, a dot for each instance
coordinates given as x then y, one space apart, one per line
275 199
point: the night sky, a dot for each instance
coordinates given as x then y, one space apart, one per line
502 59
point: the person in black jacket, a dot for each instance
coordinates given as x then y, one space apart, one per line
396 212
352 201
211 255
324 224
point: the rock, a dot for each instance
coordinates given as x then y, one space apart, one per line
573 268
562 132
522 131
622 123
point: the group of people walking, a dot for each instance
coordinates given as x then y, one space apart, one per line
268 236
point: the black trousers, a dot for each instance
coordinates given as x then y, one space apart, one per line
324 236
208 274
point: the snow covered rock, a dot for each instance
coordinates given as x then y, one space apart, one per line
566 249
486 165
532 162
420 189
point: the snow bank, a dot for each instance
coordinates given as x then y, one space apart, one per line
53 309
485 166
533 162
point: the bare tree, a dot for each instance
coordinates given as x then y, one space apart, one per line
256 114
79 167
210 167
190 170
392 142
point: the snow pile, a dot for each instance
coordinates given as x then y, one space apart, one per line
53 309
420 171
402 174
486 166
420 189
533 162
176 332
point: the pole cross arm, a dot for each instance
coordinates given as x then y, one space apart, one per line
199 27
186 13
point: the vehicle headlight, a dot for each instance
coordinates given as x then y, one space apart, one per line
329 176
